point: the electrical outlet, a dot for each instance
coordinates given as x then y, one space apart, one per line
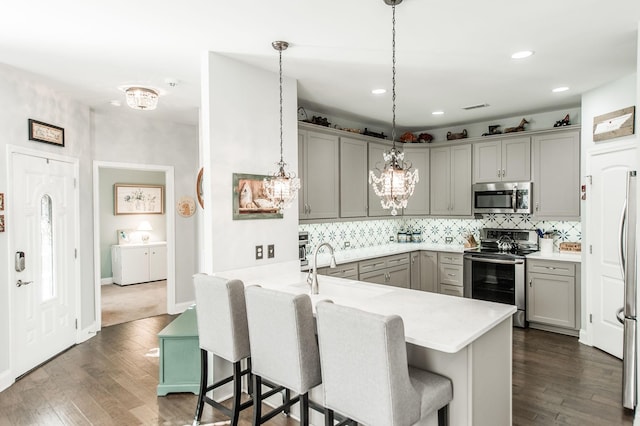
271 251
448 240
391 238
347 244
259 253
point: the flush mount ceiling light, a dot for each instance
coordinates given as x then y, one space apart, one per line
522 54
560 89
281 188
396 181
141 98
437 113
379 91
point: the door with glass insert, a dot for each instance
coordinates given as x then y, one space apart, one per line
44 284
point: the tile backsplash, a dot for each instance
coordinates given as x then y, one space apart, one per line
360 234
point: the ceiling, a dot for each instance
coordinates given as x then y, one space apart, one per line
450 54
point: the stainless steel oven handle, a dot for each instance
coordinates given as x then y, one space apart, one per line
514 198
490 260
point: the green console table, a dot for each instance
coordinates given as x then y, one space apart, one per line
180 355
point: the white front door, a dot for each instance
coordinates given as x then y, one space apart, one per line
43 231
605 202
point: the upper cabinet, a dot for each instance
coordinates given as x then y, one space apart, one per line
376 162
451 180
418 204
318 171
353 178
556 175
506 160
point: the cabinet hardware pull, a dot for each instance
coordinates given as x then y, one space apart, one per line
451 275
529 283
503 173
498 172
550 267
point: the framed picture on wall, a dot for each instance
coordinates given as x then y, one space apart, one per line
138 199
47 133
250 200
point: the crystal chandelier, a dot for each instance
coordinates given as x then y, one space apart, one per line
142 98
396 181
281 188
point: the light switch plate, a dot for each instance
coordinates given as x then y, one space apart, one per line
271 251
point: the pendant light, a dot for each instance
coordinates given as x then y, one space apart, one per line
396 181
281 188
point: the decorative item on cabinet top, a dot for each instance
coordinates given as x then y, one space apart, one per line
138 199
250 199
493 130
518 128
454 136
564 122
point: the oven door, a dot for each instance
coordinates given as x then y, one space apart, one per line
494 279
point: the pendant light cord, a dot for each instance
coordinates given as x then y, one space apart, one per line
281 155
393 76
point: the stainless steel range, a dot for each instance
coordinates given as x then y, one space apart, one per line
495 271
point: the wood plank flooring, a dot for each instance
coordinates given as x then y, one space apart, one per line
109 380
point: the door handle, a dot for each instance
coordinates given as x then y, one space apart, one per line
20 283
623 219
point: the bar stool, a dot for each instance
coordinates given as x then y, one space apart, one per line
284 349
222 330
365 373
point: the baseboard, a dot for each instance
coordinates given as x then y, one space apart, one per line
86 333
584 338
553 329
179 308
106 281
6 380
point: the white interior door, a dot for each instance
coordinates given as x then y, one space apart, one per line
43 215
605 202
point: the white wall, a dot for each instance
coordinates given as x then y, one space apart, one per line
240 128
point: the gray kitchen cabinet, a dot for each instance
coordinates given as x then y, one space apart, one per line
376 161
553 295
450 170
418 156
556 175
353 178
389 270
427 272
506 160
345 270
450 270
415 270
318 171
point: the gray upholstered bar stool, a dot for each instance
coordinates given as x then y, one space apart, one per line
222 330
284 349
365 373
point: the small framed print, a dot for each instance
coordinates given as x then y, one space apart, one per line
250 200
1 201
1 223
47 133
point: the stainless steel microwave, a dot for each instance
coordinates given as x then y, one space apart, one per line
502 197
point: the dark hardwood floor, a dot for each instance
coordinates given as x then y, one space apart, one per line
109 380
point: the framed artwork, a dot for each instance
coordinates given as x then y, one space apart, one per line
199 188
614 124
138 199
186 206
1 201
1 223
250 200
47 133
125 236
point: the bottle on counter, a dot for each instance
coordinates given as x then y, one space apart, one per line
402 236
416 236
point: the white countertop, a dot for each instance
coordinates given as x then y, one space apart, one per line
558 256
431 320
364 253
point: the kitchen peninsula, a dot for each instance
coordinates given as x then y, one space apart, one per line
467 340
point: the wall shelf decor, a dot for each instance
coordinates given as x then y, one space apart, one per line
47 133
250 199
138 199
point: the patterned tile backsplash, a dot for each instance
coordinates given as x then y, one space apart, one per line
376 232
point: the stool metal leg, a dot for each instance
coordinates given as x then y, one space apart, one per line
304 409
443 416
257 399
328 417
203 387
237 393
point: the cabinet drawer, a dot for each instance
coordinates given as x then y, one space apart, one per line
451 290
551 267
450 258
451 274
372 265
401 259
346 270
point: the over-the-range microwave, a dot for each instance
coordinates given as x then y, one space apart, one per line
502 197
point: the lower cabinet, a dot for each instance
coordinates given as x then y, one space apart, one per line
139 263
426 277
553 295
450 269
345 270
390 270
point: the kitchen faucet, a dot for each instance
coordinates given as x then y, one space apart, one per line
312 278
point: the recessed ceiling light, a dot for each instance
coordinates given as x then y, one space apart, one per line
522 54
437 113
560 89
379 91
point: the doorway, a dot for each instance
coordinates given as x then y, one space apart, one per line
132 243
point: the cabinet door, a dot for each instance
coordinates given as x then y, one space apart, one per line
376 162
556 175
440 171
451 290
302 146
376 277
516 159
428 272
451 274
487 165
461 180
321 176
353 178
551 300
157 263
134 263
415 266
418 204
399 276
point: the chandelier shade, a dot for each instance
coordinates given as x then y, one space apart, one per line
395 182
141 98
281 187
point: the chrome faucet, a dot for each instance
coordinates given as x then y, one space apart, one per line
312 278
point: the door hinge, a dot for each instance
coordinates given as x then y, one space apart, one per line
590 249
75 182
75 253
76 323
590 179
591 318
